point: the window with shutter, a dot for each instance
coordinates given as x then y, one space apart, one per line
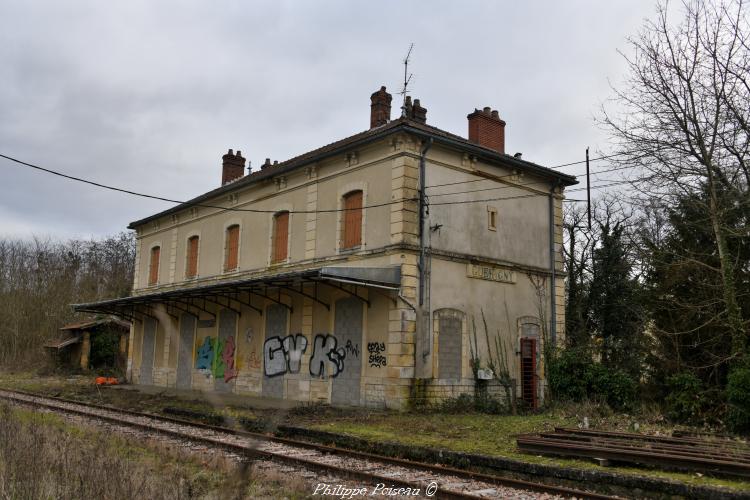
153 270
191 270
280 237
232 248
352 221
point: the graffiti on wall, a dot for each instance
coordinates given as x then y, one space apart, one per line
217 357
325 348
352 349
227 356
377 354
283 355
253 361
205 355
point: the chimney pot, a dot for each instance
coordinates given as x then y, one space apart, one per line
380 107
233 167
487 129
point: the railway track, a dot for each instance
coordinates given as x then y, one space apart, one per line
716 457
362 468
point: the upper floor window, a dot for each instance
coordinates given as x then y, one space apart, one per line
191 268
280 237
351 235
492 218
153 266
232 248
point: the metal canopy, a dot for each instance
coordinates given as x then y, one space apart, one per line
377 278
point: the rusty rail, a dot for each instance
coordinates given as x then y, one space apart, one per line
689 454
310 464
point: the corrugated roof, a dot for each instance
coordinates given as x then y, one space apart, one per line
400 124
60 343
83 325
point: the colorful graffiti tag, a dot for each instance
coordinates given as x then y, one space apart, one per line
217 356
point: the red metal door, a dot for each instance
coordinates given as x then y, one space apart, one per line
528 371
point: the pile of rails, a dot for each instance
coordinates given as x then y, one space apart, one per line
708 454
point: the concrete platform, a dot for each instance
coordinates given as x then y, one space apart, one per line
214 398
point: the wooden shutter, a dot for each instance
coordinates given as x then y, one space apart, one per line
280 237
352 236
153 270
192 257
232 248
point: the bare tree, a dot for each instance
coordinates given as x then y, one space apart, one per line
683 118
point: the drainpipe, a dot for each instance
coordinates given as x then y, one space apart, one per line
422 346
422 208
553 298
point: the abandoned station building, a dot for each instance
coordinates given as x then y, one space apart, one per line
317 279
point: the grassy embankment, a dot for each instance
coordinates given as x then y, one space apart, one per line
43 456
466 432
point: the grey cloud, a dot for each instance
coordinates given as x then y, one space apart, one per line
148 95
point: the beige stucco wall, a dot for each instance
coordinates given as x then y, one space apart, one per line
386 171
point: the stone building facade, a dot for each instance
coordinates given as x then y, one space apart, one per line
402 262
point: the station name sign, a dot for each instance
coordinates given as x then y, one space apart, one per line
490 273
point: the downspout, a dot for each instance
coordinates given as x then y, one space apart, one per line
553 275
422 207
423 320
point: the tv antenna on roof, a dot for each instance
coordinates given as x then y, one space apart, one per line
407 75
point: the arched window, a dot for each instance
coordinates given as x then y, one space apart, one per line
153 266
280 237
351 234
232 248
191 264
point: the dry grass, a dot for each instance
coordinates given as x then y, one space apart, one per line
42 457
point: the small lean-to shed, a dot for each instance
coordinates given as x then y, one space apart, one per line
94 343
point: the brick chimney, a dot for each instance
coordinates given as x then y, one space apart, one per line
380 108
414 111
233 167
487 129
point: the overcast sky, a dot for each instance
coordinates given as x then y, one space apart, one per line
148 95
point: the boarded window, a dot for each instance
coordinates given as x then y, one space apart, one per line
153 269
352 231
280 236
232 248
191 270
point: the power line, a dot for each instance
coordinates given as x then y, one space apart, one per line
521 184
201 205
503 198
511 175
252 210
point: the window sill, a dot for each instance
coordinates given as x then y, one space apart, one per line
350 250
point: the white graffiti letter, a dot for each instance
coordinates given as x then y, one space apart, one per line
324 350
274 361
294 347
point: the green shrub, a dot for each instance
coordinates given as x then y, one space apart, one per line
685 401
738 397
566 375
573 376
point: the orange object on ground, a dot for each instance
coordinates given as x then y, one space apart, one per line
106 381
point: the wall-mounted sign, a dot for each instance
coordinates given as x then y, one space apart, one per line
490 273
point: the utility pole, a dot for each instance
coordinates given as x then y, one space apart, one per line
588 187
